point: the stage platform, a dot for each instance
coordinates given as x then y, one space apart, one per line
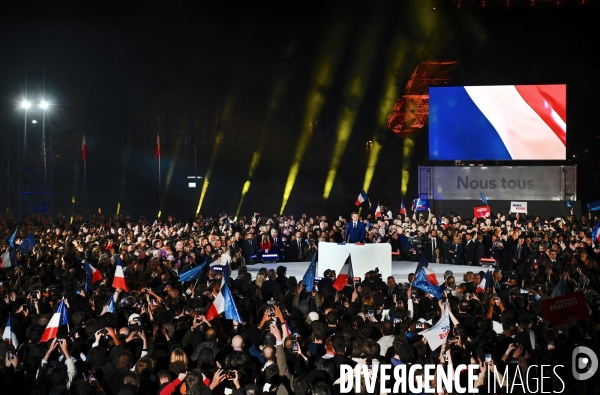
400 269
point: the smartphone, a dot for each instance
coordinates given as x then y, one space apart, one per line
371 314
295 346
551 345
78 292
488 359
295 333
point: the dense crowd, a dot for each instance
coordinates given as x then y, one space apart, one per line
289 340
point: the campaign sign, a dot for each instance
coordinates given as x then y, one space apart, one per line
421 204
562 309
481 211
518 207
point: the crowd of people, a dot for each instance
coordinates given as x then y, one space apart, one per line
159 340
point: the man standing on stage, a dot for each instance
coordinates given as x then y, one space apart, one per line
355 230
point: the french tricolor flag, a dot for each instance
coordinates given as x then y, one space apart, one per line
8 335
223 303
378 211
362 197
346 275
58 319
484 282
92 275
402 208
506 122
119 279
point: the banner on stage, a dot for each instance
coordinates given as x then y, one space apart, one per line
481 211
518 207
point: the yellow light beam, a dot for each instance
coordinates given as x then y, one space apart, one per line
219 137
362 64
391 87
325 68
407 151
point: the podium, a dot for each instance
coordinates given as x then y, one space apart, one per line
365 257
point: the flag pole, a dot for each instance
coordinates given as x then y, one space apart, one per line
85 184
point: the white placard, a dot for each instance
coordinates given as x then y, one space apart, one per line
518 207
365 258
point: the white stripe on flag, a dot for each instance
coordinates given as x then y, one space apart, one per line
524 133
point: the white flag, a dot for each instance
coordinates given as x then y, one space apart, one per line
437 334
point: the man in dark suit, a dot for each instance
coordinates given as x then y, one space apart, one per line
355 230
297 246
435 243
470 250
249 249
519 253
456 251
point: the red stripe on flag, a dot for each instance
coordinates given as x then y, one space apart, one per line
544 99
340 282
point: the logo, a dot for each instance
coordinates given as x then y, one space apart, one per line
584 363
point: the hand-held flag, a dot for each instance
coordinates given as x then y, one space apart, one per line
27 244
58 319
9 335
425 279
346 275
11 241
362 196
485 282
192 274
119 279
437 334
309 277
110 307
92 275
483 198
402 208
231 312
378 211
594 206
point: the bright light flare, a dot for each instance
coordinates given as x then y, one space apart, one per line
25 105
44 104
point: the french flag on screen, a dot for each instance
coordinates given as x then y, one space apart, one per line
524 122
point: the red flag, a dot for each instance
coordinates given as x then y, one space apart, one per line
83 149
157 149
216 308
346 276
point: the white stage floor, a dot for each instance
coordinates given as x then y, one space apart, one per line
400 269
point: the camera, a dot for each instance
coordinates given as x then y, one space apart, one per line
295 346
419 242
488 359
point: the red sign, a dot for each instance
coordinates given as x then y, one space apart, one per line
566 308
481 212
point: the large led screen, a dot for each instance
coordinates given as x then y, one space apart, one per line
508 122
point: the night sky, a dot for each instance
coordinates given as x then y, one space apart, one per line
237 77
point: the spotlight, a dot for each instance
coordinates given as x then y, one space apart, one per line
25 105
34 121
43 104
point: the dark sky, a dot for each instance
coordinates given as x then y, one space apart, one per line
243 72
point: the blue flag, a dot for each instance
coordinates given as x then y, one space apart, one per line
62 312
483 198
309 277
594 206
27 244
569 204
11 241
560 289
231 312
191 275
110 308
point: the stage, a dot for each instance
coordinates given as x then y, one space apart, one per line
400 270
